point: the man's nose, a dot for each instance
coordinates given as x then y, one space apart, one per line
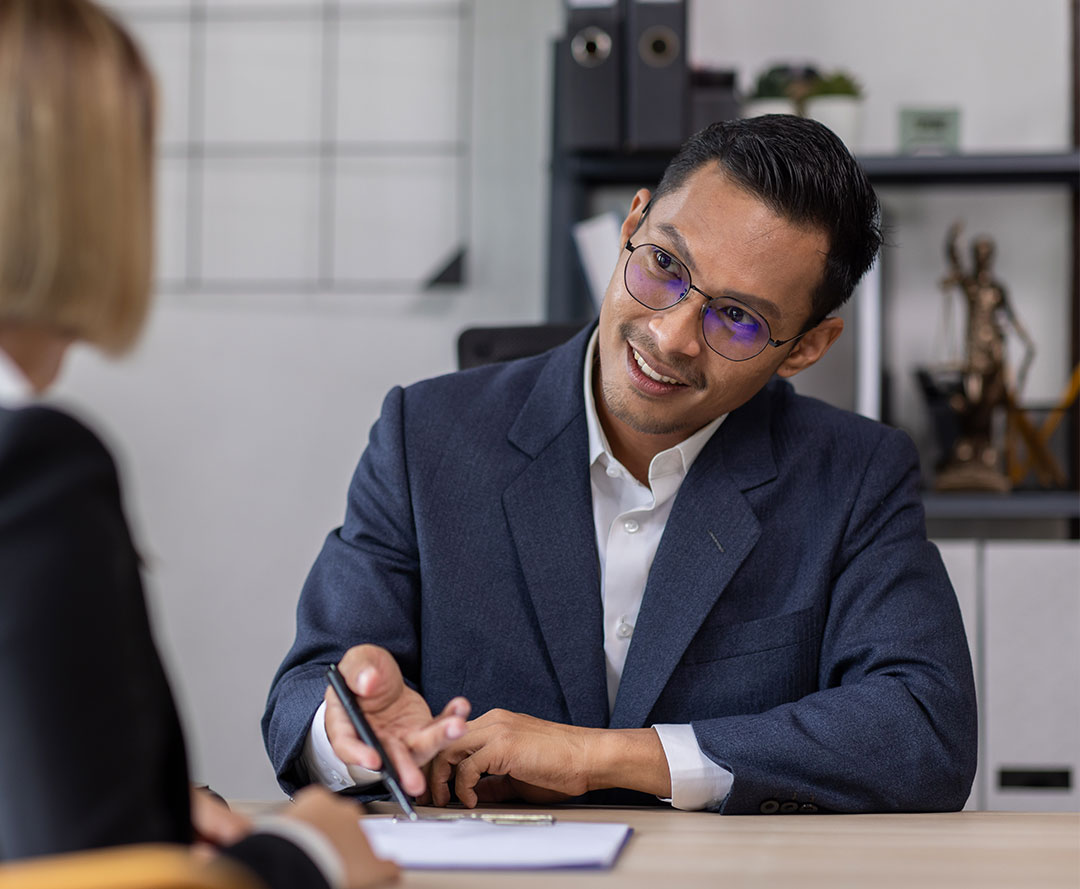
678 329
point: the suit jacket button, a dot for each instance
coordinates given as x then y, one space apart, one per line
769 807
788 807
807 809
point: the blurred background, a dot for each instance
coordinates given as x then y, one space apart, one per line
346 186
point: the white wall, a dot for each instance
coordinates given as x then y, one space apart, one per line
239 418
1005 64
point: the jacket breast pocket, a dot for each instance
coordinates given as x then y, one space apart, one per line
717 640
747 667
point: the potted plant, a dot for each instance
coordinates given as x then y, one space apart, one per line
773 93
835 99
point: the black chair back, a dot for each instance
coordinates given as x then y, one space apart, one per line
486 345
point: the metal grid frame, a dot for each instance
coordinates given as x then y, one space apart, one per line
199 16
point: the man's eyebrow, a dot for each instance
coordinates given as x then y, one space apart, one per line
678 241
761 304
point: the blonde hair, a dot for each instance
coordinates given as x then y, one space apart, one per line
76 172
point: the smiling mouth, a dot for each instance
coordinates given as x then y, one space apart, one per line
652 374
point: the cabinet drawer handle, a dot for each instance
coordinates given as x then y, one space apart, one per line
1035 779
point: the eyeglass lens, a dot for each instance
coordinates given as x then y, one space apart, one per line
657 280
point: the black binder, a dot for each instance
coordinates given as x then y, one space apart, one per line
588 77
657 101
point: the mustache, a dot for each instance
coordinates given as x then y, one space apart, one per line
684 367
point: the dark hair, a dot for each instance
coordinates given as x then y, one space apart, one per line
803 172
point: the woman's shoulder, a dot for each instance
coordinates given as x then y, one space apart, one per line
43 434
64 541
47 455
40 424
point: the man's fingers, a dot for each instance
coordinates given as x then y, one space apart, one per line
458 706
352 750
469 772
429 740
343 738
438 780
496 789
373 675
412 779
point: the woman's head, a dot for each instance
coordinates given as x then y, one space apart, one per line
76 172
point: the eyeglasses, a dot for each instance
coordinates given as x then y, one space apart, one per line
658 280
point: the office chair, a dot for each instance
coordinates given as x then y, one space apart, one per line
486 345
144 866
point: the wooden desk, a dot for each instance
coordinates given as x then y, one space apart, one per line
671 850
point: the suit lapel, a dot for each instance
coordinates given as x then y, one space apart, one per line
710 532
549 511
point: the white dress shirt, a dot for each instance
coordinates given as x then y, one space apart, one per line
629 518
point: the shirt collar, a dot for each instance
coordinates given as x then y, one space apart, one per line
687 450
15 388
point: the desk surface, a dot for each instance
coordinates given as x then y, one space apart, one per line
671 849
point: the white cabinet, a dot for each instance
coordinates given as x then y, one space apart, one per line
1021 606
1031 700
961 558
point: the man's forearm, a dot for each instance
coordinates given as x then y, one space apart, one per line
630 758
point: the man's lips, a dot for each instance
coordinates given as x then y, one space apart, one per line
651 376
648 370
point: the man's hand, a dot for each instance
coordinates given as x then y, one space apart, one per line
506 755
398 715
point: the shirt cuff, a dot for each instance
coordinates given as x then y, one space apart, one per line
325 765
696 781
309 840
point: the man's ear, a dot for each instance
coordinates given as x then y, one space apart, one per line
812 347
633 218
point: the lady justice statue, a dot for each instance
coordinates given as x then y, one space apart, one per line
975 463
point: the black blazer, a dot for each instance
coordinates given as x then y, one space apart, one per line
91 752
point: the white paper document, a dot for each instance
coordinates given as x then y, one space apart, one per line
478 845
598 245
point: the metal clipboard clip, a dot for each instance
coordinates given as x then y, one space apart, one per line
509 818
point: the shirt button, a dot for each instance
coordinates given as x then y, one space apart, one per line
624 630
631 526
612 471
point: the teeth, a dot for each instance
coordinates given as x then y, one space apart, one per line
649 372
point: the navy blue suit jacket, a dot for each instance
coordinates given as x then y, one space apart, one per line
795 614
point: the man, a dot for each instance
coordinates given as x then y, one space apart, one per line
649 565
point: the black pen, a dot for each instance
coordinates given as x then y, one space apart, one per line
356 717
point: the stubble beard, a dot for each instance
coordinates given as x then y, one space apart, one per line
619 402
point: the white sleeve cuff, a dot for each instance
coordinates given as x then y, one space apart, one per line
309 840
696 781
325 765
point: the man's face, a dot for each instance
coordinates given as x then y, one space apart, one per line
733 245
